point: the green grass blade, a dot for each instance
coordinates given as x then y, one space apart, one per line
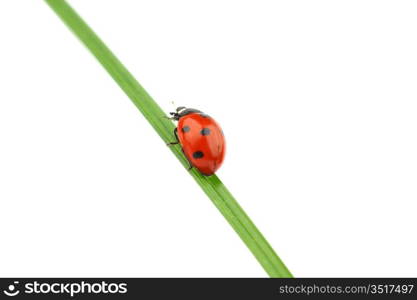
212 185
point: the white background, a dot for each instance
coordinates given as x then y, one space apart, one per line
318 103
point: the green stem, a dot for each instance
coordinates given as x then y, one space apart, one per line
211 185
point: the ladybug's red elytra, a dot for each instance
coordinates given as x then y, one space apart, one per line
201 139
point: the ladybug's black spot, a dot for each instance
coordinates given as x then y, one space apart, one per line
205 131
198 154
185 129
204 115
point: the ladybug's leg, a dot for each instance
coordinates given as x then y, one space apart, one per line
176 143
176 137
190 165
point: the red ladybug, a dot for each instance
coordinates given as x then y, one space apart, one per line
201 138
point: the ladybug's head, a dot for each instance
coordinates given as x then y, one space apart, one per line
182 111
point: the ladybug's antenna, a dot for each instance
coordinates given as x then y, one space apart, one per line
171 113
173 116
173 104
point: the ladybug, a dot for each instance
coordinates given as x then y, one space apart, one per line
201 139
